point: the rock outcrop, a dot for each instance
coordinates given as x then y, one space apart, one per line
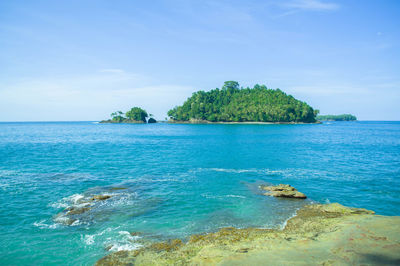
283 190
318 235
79 208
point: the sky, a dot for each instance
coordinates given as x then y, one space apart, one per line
82 60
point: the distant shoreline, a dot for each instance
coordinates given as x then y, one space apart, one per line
243 123
124 122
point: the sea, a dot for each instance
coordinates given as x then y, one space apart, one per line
72 192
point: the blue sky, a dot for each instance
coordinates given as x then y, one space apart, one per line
82 60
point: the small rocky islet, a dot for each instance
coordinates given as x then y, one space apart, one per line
282 190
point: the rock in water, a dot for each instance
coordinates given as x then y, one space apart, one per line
283 190
151 120
100 197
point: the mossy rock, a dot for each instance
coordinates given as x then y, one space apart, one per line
283 190
100 197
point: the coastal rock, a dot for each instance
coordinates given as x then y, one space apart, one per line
100 197
320 234
151 120
76 210
79 209
117 188
283 190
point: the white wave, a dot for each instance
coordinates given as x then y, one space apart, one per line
75 198
67 201
126 246
126 234
235 196
42 225
59 205
89 239
208 196
286 221
233 170
77 222
126 242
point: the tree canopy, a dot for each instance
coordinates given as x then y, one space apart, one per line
136 114
343 117
235 104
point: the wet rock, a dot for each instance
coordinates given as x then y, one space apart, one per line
118 188
100 197
151 120
80 206
317 235
61 218
283 190
170 245
75 210
243 250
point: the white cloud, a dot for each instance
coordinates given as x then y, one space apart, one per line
112 70
311 5
87 97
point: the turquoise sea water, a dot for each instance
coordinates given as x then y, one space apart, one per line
179 180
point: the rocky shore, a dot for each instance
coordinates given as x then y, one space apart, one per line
324 234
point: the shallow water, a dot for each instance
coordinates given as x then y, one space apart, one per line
178 180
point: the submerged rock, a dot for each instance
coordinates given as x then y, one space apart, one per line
283 190
76 210
100 197
319 234
118 188
79 209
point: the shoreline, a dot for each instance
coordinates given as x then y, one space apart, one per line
124 122
326 234
211 123
243 123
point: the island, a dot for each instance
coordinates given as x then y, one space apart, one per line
343 117
233 104
135 115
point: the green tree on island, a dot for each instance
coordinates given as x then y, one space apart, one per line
137 114
118 116
235 104
343 117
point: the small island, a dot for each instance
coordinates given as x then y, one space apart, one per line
136 116
233 104
343 117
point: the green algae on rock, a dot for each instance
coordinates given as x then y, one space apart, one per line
81 206
283 190
100 197
329 234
